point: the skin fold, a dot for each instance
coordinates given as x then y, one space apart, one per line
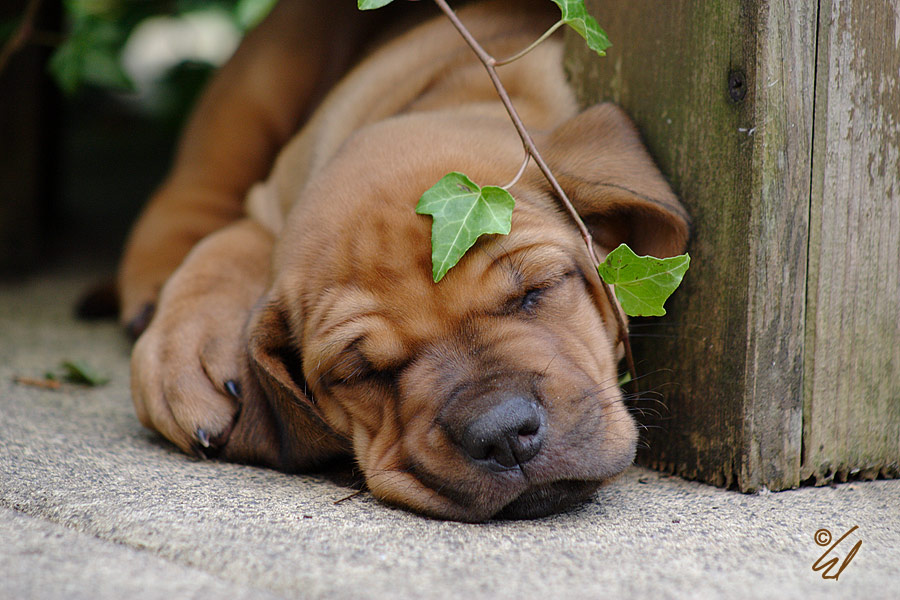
305 325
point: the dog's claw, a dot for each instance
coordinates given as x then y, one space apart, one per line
203 438
233 388
138 324
198 452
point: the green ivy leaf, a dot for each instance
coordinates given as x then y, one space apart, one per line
78 371
370 4
462 212
643 283
576 16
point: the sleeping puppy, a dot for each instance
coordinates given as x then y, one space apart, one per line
310 328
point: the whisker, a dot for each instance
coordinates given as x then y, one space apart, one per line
547 368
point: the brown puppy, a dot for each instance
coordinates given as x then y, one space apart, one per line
312 329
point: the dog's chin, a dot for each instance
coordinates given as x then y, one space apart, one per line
532 502
548 499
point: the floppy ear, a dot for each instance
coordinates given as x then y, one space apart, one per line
599 160
283 414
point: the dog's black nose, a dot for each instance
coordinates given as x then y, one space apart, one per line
509 433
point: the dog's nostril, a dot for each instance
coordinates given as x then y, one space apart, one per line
510 433
530 428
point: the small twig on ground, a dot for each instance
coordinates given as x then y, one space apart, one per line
47 384
490 64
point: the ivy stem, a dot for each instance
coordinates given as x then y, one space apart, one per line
22 35
534 44
519 174
490 63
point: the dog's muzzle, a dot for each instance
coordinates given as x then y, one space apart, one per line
506 435
499 424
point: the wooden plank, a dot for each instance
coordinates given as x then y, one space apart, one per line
778 236
852 393
734 145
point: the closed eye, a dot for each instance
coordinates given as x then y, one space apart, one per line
531 299
352 367
347 365
529 302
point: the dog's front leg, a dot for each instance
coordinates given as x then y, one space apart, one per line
249 111
187 367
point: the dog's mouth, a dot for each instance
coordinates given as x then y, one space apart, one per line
548 499
533 502
503 495
502 454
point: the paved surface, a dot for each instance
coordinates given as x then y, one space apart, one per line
93 506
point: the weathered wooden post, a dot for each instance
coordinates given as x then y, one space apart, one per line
779 126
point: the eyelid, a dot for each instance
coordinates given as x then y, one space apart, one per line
363 368
548 282
349 364
514 303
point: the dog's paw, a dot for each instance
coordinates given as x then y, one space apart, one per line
186 376
138 296
188 366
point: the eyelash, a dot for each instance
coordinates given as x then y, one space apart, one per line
532 298
362 369
348 363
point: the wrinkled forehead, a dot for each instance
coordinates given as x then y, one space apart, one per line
354 231
378 175
379 270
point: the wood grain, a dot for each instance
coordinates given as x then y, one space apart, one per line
778 238
852 392
723 94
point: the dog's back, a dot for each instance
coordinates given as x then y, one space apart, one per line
429 68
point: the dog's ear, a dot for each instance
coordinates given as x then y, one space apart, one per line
275 376
601 163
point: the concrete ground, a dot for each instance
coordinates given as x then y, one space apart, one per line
94 506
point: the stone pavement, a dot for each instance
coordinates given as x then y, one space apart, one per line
94 506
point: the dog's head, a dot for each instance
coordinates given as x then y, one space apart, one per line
493 392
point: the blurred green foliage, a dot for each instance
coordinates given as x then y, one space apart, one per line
97 31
